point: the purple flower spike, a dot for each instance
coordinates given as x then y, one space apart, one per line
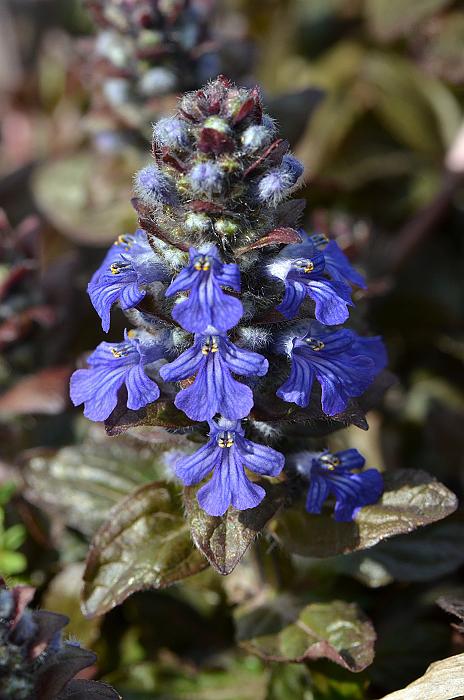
342 362
304 276
129 265
332 474
111 366
213 359
207 309
227 454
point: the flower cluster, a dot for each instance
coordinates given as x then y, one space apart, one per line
245 308
147 49
35 661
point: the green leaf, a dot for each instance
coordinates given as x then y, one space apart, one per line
12 563
443 680
225 539
144 543
390 19
289 682
278 632
14 537
412 498
101 471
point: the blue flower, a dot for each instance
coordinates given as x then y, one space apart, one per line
227 454
337 265
278 182
207 309
129 264
206 178
304 276
155 187
332 474
111 366
342 362
213 359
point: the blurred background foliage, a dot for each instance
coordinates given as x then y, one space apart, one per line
370 94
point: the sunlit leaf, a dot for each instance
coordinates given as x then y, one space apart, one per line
225 539
102 472
144 543
278 632
443 680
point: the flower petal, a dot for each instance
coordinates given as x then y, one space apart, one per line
297 388
97 389
260 458
317 493
332 300
141 390
183 366
339 268
244 362
294 296
196 467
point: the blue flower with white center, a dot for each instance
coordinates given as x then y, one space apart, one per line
155 187
305 276
207 309
343 363
206 178
277 183
337 265
128 266
171 133
227 454
213 359
339 475
110 366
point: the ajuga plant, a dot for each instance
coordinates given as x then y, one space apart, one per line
150 48
243 346
36 663
240 315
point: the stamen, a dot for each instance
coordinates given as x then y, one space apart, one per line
116 267
225 439
117 353
315 344
124 240
330 462
306 266
202 264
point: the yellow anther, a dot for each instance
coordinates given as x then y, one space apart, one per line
309 267
330 462
115 269
206 266
123 240
214 347
315 344
229 442
205 349
131 333
198 266
116 353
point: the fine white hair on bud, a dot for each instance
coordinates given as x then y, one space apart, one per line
254 337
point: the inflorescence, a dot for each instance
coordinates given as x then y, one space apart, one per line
238 311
